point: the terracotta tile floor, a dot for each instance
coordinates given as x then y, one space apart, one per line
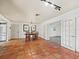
37 49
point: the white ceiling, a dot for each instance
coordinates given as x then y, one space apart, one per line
25 10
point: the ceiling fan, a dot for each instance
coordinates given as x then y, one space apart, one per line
56 6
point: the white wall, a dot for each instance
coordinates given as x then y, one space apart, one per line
54 29
14 30
74 14
17 30
3 19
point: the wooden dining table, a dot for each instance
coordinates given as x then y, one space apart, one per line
31 36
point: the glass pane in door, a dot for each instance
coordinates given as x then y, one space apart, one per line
3 31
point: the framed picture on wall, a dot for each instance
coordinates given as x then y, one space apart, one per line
25 27
33 28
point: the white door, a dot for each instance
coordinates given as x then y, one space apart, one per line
77 34
67 31
72 34
45 32
63 32
3 31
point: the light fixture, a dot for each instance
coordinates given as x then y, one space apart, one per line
56 6
37 14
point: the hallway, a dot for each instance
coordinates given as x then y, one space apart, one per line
37 49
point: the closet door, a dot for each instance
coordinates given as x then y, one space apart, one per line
67 34
72 34
63 29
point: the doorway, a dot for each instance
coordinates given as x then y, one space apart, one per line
54 32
